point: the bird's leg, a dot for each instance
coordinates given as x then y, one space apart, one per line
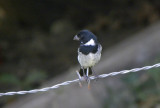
88 79
94 73
79 76
84 75
87 73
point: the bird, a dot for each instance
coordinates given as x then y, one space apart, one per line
89 54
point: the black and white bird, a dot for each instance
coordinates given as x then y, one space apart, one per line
89 53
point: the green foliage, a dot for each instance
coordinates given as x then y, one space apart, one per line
10 79
32 80
145 86
35 78
155 74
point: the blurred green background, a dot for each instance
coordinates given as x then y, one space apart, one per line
36 39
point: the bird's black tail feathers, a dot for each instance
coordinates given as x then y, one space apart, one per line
85 71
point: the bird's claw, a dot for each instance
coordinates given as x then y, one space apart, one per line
80 79
85 77
88 81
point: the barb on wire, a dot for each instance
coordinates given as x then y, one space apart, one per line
76 80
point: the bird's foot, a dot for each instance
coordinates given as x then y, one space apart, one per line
80 79
83 78
88 81
87 78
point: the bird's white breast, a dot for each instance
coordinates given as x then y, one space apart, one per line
89 60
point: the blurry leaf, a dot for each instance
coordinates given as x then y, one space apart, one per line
131 79
9 79
155 74
35 77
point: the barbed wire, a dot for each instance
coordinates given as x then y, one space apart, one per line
76 80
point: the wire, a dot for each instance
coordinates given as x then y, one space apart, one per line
76 80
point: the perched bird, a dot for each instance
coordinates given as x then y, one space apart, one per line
89 53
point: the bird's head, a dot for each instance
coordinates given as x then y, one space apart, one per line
86 37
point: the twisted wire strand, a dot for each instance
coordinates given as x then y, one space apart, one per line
76 80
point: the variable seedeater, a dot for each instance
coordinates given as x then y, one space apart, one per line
89 53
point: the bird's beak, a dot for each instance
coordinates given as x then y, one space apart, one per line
76 38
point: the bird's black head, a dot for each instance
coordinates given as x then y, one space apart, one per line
85 36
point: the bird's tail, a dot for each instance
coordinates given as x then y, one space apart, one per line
85 72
